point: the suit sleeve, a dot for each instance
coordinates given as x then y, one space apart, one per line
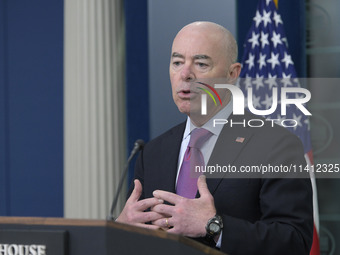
138 174
286 222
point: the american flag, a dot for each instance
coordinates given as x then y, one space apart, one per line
266 64
240 139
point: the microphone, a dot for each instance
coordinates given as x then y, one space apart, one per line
139 144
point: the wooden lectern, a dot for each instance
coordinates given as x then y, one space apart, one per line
58 236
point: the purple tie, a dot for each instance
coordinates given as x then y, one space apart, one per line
187 179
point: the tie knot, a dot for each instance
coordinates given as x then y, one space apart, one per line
198 137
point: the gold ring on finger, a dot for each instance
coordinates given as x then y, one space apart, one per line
167 222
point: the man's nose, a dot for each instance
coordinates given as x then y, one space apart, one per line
187 73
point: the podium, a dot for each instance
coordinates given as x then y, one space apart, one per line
59 236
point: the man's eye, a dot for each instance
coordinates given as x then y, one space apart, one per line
176 63
202 65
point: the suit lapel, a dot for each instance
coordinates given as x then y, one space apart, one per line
170 148
228 146
225 152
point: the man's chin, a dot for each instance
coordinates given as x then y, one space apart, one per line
189 110
184 110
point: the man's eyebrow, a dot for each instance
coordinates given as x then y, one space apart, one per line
177 55
202 57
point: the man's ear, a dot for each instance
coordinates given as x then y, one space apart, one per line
234 72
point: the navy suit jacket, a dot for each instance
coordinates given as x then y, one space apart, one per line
260 216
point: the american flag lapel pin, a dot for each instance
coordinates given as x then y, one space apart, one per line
239 139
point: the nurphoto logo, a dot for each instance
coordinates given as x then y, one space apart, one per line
239 100
279 101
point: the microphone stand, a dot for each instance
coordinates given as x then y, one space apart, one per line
139 144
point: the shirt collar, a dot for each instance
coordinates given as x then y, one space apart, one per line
224 113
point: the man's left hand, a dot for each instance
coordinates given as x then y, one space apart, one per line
186 216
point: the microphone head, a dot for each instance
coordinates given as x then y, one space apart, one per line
140 143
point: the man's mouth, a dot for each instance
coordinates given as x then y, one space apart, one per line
187 93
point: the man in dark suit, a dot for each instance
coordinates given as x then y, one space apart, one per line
236 215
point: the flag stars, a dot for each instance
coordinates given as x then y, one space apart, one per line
271 81
287 60
262 60
280 119
286 80
250 61
264 39
258 82
307 123
286 76
274 60
257 18
268 102
284 39
256 102
266 18
276 39
296 80
254 40
298 121
268 2
247 81
277 19
266 55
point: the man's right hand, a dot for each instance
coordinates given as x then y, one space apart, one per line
134 209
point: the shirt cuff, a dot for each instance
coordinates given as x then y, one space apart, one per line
219 242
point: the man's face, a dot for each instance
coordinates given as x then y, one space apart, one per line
197 54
